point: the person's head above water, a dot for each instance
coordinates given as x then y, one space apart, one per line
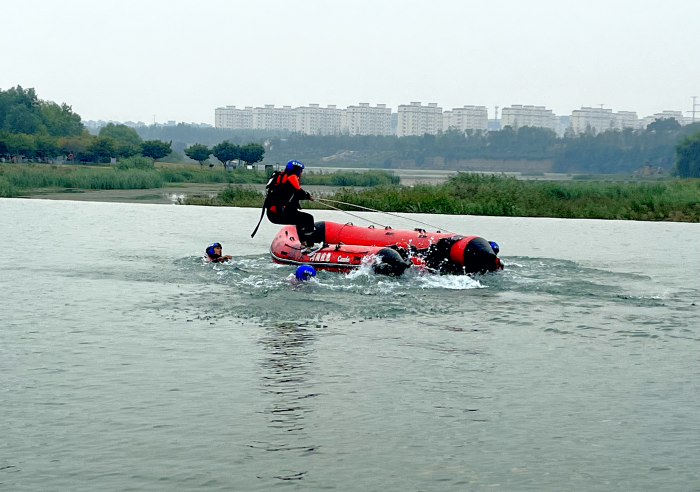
294 167
494 246
214 253
305 272
214 250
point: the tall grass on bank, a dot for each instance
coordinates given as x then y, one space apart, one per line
138 173
351 178
25 177
124 175
6 189
172 175
494 195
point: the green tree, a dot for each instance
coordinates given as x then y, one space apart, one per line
688 156
156 149
127 150
251 153
226 151
664 125
60 120
46 146
3 148
21 119
19 102
121 133
198 152
20 144
102 148
76 145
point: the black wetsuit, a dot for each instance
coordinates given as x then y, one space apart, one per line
282 204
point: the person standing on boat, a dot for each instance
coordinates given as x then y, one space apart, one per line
284 192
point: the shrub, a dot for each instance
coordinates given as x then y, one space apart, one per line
135 162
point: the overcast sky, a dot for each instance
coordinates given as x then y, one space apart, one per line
178 60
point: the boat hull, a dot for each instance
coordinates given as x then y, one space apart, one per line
347 247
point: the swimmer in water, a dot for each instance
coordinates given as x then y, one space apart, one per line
302 275
214 254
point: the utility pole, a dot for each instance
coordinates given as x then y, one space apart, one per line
694 106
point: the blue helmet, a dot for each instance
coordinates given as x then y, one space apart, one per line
210 248
294 166
304 272
494 246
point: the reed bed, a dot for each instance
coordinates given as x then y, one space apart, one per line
26 177
472 194
132 173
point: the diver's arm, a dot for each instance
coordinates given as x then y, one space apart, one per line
299 193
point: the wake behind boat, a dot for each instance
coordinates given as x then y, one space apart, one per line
392 251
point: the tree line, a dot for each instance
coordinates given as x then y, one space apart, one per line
611 151
226 152
31 128
36 129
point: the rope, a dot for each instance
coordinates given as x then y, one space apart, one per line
378 211
345 211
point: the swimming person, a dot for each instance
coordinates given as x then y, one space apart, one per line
214 254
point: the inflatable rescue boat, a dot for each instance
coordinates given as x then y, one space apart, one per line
389 251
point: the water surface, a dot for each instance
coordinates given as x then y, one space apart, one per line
127 364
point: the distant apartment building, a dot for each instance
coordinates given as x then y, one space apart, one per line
311 119
677 115
466 118
315 120
519 115
602 119
415 119
366 120
626 119
494 125
233 119
271 118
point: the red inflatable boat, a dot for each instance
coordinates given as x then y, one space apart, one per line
392 251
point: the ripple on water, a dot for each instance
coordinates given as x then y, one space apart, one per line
254 287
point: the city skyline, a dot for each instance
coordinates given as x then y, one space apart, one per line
173 59
364 119
416 119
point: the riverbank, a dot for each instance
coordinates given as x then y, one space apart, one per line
592 197
35 180
471 194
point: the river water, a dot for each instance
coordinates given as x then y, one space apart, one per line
127 364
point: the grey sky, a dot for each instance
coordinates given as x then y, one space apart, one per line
178 60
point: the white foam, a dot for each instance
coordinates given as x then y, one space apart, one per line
452 282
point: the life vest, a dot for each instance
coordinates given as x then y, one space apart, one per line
280 191
283 190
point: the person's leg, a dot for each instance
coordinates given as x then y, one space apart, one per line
304 223
277 218
305 226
